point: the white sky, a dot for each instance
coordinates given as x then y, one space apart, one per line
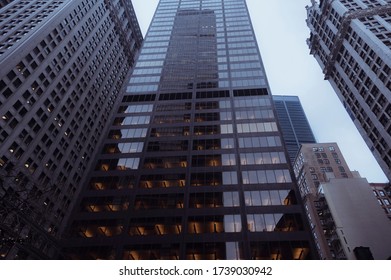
281 32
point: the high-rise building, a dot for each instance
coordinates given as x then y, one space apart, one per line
314 165
334 199
63 64
294 124
193 166
351 41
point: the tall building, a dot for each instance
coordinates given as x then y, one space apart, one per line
314 165
351 41
294 124
193 166
63 64
334 198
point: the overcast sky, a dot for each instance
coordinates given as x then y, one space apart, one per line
281 32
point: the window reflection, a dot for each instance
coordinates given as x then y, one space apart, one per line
272 197
274 222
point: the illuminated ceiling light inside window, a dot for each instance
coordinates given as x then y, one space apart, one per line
4 117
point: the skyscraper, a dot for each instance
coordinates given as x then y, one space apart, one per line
63 64
293 122
193 166
351 41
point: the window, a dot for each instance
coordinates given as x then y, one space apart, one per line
266 198
266 176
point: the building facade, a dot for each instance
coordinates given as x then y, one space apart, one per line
294 124
316 164
193 166
333 198
361 232
63 64
351 41
382 193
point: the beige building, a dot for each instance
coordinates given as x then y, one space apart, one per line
358 220
383 196
318 168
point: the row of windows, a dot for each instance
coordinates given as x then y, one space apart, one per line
268 198
203 179
262 158
266 177
196 200
196 225
198 130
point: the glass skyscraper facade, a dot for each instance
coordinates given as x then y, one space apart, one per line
295 127
193 166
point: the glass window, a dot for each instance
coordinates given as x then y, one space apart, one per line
232 223
230 178
227 143
231 199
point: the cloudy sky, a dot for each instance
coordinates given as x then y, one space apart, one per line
281 32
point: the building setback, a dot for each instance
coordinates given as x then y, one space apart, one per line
295 127
350 211
193 166
314 165
351 40
63 64
345 217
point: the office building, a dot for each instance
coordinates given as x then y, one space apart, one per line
63 64
351 41
193 166
332 194
294 124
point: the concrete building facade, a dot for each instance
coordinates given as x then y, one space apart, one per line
351 41
63 64
360 224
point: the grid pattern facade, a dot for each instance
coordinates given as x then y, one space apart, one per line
3 3
383 196
314 165
351 41
294 124
193 166
63 64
